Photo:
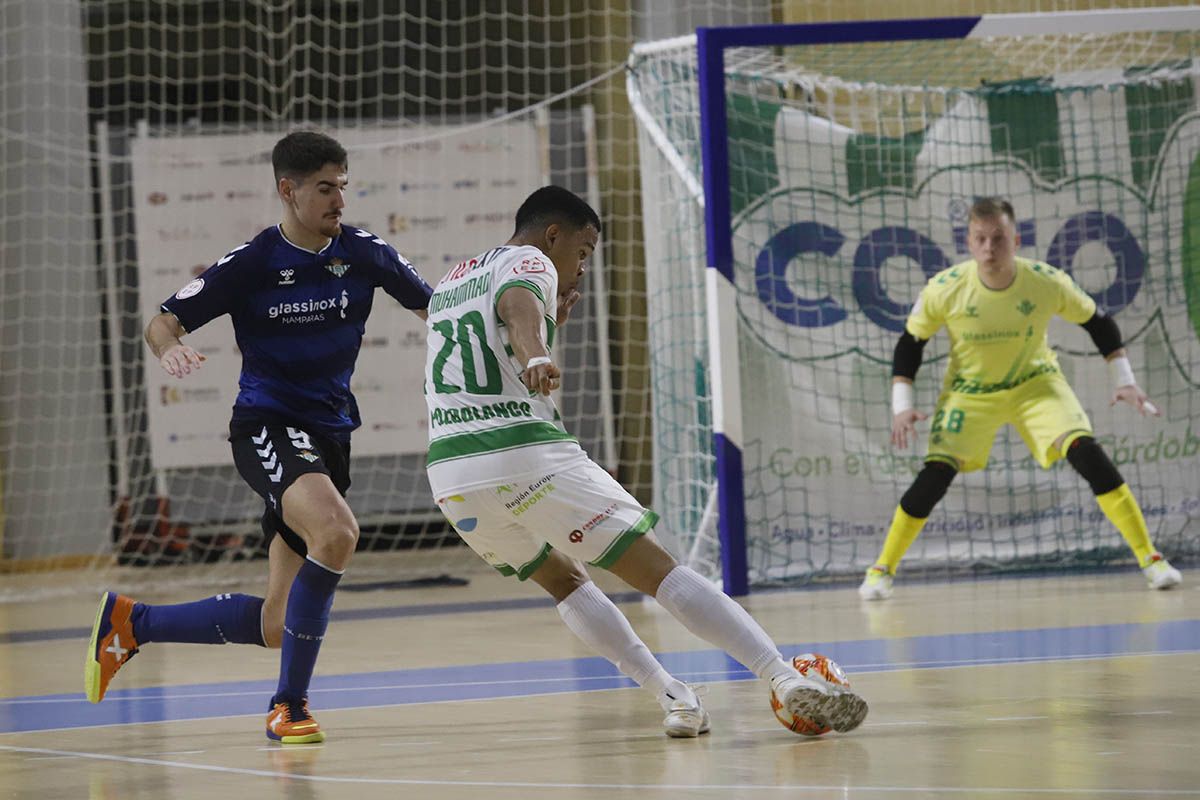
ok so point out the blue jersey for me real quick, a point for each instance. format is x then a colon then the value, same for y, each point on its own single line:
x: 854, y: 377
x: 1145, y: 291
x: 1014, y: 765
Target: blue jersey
x: 299, y: 318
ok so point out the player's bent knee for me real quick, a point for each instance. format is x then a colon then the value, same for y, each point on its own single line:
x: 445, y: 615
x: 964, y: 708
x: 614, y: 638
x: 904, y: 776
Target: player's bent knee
x: 928, y: 489
x: 1089, y: 460
x: 644, y: 564
x: 333, y: 544
x: 272, y: 628
x: 560, y: 575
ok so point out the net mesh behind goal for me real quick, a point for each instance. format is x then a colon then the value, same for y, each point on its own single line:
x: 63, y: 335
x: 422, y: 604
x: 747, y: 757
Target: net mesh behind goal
x: 851, y: 169
x: 134, y: 134
x: 137, y: 138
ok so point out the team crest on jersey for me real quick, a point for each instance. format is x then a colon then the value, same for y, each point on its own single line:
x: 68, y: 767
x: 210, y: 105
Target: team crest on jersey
x: 308, y: 456
x: 530, y: 265
x: 191, y: 290
x: 337, y: 267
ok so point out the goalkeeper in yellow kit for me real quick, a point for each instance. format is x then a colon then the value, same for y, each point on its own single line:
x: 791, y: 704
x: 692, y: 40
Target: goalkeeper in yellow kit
x: 996, y: 308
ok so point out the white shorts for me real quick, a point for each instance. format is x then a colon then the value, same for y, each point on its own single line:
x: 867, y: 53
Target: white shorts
x: 583, y: 513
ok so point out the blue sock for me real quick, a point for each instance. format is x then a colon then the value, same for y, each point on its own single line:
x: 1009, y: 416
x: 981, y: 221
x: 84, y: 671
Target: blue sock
x: 226, y: 618
x: 304, y: 625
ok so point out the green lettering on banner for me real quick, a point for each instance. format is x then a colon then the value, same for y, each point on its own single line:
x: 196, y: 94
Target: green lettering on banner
x: 792, y: 468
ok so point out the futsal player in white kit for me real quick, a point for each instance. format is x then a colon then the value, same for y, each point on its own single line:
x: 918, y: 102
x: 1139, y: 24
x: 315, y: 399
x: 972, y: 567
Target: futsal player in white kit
x: 522, y: 493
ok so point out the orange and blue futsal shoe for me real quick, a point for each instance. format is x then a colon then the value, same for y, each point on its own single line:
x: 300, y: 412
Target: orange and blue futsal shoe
x: 112, y: 644
x: 290, y: 723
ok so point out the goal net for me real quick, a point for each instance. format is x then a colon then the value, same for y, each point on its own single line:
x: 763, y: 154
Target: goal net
x: 848, y: 157
x: 137, y: 153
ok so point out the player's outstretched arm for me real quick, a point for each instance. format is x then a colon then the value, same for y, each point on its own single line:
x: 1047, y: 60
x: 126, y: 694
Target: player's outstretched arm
x: 906, y: 360
x: 1107, y: 338
x: 1125, y: 388
x: 163, y: 334
x: 522, y: 315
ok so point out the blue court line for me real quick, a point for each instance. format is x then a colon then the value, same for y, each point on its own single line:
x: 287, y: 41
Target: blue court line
x: 348, y: 615
x: 516, y: 604
x: 519, y: 679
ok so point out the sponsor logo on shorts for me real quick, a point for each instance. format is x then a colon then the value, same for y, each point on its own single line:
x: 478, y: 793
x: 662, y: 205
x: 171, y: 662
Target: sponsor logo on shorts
x: 576, y: 536
x: 529, y: 497
x: 596, y: 520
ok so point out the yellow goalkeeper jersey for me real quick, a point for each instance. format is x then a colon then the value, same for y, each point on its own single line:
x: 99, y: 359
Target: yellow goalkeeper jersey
x: 997, y: 337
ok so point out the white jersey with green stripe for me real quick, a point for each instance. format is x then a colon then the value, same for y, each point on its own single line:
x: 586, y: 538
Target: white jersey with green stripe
x: 485, y: 427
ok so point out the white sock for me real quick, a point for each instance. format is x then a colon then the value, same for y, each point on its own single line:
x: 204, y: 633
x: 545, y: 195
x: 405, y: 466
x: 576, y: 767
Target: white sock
x: 715, y: 617
x: 594, y: 618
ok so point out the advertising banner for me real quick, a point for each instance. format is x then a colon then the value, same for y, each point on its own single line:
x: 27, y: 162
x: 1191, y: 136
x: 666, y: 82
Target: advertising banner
x: 436, y: 195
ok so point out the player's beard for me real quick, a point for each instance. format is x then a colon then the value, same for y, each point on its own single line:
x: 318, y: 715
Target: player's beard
x: 331, y: 226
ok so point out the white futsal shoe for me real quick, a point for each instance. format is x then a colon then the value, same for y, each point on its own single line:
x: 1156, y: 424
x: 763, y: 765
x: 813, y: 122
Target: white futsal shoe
x: 825, y: 703
x: 1159, y: 573
x: 686, y: 717
x: 877, y: 584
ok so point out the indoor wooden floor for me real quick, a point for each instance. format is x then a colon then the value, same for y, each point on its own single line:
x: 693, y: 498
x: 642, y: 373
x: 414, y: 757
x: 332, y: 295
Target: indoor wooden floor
x: 1059, y: 686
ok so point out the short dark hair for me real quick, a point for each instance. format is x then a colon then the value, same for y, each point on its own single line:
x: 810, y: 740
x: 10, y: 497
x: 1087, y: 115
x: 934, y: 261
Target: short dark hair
x: 554, y: 204
x: 301, y: 153
x: 990, y: 208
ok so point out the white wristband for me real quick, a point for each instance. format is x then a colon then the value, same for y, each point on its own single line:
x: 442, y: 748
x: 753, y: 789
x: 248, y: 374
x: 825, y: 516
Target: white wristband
x: 1121, y: 372
x: 538, y: 361
x: 902, y: 397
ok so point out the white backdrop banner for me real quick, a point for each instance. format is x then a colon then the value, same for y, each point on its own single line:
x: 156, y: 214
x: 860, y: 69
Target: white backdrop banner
x: 438, y: 199
x: 825, y: 284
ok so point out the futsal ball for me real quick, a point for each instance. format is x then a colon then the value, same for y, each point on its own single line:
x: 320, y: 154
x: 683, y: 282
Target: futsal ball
x: 817, y: 666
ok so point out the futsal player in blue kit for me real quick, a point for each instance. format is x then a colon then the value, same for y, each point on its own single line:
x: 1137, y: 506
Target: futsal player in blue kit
x: 299, y: 295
